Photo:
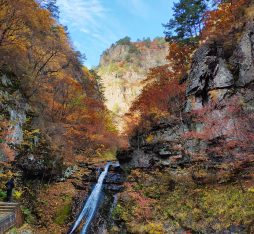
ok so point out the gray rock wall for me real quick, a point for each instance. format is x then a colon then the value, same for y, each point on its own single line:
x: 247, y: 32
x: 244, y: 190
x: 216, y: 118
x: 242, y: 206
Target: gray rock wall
x: 213, y: 78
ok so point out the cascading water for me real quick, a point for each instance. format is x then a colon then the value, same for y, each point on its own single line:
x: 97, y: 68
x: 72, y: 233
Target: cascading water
x: 89, y: 209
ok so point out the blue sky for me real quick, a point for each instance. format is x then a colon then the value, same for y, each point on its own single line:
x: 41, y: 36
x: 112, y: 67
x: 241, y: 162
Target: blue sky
x: 95, y: 24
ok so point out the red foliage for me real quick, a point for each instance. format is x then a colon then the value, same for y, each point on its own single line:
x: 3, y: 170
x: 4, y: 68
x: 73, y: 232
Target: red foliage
x: 179, y: 58
x: 227, y: 128
x: 221, y: 21
x: 144, y: 209
x: 163, y: 95
x: 5, y: 139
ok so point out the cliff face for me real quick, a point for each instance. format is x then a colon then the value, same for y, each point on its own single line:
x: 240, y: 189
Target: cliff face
x: 14, y: 105
x: 195, y: 174
x: 21, y: 139
x: 217, y: 75
x: 213, y: 76
x: 123, y: 67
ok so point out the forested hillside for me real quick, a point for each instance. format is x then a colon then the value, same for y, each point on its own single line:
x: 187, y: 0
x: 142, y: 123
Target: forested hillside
x: 52, y: 107
x: 191, y: 149
x: 62, y: 100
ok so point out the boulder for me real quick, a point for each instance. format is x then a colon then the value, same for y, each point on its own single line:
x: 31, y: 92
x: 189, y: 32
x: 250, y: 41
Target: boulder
x: 113, y: 178
x: 39, y: 166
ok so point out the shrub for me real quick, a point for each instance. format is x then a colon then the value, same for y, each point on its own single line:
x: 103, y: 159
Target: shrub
x: 27, y: 215
x: 3, y: 195
x: 63, y: 214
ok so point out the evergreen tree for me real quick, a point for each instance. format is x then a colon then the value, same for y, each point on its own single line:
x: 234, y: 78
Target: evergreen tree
x: 186, y: 24
x: 124, y: 41
x: 51, y: 6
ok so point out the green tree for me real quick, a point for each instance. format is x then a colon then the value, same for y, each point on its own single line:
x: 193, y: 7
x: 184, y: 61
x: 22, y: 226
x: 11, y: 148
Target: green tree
x: 186, y: 24
x: 51, y: 6
x: 124, y: 41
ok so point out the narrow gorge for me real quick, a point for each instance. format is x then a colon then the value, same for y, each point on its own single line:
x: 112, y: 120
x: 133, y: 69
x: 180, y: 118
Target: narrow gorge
x: 124, y: 67
x: 155, y: 139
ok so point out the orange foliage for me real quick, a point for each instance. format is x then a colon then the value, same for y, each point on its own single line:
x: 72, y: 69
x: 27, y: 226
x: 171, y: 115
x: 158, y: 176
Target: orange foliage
x: 156, y: 95
x: 179, y: 58
x: 8, y: 153
x: 227, y: 17
x: 163, y: 95
x: 85, y: 118
x: 154, y: 44
x: 68, y: 100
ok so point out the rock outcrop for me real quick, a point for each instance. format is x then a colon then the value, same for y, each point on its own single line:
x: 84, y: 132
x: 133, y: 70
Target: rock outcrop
x: 216, y: 76
x: 12, y: 106
x: 22, y: 141
x: 194, y: 173
x: 213, y: 75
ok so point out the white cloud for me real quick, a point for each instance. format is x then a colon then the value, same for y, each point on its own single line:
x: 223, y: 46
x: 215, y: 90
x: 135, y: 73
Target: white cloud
x: 137, y: 7
x: 86, y: 16
x: 81, y: 11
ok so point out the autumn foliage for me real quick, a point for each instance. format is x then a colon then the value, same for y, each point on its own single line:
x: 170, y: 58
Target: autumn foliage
x: 163, y: 94
x: 66, y: 97
x: 227, y: 129
x: 220, y: 131
x: 227, y: 18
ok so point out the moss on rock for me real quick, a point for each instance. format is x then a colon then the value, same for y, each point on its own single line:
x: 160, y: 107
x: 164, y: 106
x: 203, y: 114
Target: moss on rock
x: 63, y: 213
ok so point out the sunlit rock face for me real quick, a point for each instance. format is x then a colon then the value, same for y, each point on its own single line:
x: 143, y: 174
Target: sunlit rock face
x: 17, y: 120
x: 13, y: 108
x: 123, y: 67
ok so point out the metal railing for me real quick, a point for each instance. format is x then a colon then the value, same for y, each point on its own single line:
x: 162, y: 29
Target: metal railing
x: 7, y: 222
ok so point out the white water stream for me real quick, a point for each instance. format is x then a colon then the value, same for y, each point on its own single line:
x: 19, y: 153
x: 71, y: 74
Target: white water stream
x: 91, y: 204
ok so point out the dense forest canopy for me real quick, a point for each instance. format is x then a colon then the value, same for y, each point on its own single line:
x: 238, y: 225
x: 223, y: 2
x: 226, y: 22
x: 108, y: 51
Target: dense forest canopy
x: 37, y: 53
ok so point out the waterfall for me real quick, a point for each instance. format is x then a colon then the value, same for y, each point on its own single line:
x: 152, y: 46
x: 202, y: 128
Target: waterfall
x: 91, y: 204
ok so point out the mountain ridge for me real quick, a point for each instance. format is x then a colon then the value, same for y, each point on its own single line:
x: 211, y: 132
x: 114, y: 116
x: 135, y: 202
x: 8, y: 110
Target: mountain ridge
x: 122, y: 69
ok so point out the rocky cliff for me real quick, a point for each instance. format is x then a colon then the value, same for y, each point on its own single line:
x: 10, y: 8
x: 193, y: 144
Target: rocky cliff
x: 123, y: 67
x: 216, y: 76
x: 195, y: 174
x: 22, y: 140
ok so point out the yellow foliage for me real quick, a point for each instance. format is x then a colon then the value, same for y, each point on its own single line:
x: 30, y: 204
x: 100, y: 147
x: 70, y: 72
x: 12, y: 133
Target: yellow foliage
x: 149, y: 138
x: 250, y: 12
x: 251, y: 189
x: 4, y: 177
x: 17, y: 194
x: 154, y: 228
x: 213, y: 94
